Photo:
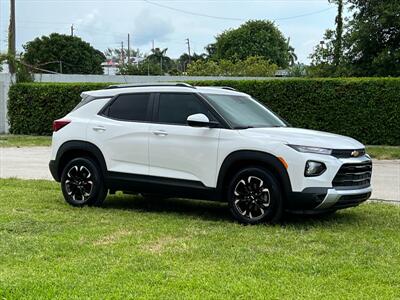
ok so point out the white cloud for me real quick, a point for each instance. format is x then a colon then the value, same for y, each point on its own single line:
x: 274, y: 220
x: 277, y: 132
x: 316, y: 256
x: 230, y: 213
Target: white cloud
x: 149, y: 26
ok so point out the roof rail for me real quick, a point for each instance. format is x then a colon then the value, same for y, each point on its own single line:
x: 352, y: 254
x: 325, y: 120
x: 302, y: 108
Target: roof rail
x: 227, y: 88
x: 131, y: 85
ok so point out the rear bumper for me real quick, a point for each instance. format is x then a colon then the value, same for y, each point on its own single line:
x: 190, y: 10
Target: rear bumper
x: 315, y: 200
x: 53, y: 166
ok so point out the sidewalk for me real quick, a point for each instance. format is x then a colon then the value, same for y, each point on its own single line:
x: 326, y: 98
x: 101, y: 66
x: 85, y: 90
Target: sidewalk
x: 32, y: 163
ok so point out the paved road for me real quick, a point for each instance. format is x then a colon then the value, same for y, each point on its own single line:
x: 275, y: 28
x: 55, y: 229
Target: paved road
x: 32, y: 163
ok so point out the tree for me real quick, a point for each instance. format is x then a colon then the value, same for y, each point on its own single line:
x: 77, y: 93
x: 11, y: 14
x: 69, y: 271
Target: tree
x: 254, y: 38
x: 322, y: 59
x: 183, y: 60
x: 338, y: 42
x: 63, y: 54
x: 291, y: 55
x: 368, y: 45
x: 160, y: 57
x: 327, y: 58
x: 298, y: 70
x: 3, y: 58
x: 142, y: 68
x: 374, y: 38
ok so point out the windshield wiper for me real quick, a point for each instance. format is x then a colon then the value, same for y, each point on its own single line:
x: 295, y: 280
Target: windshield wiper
x: 243, y: 127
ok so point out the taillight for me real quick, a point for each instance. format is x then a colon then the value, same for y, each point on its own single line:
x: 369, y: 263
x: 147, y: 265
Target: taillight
x: 58, y: 124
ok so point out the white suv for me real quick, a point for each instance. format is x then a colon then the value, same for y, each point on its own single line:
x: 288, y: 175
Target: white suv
x: 215, y: 143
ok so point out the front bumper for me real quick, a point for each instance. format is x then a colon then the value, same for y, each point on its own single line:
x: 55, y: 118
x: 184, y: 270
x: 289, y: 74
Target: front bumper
x: 315, y: 200
x: 342, y: 198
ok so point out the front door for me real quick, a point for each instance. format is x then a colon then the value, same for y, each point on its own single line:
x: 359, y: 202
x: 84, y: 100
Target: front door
x: 178, y: 150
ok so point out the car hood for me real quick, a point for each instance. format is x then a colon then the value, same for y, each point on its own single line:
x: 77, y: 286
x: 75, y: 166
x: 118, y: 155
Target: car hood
x: 304, y: 137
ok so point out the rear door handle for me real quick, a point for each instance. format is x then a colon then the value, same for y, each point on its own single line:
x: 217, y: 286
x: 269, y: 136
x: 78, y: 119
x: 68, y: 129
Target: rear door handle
x: 99, y: 128
x: 160, y: 133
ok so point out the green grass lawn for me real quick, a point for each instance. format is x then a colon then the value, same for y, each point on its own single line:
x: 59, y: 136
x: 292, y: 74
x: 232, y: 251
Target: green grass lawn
x: 11, y: 140
x: 384, y: 152
x: 176, y: 249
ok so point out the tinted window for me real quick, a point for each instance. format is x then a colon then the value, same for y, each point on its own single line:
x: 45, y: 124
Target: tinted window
x: 130, y: 107
x: 243, y: 111
x: 175, y: 108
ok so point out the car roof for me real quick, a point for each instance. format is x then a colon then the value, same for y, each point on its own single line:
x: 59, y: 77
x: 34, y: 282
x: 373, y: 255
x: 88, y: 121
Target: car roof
x: 159, y: 88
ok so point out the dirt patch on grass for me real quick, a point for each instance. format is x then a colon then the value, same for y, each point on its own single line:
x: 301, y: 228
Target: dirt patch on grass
x: 166, y: 243
x: 112, y: 238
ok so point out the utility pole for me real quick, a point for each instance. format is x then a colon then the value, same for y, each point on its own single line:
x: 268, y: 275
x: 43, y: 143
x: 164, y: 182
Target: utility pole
x: 60, y: 62
x: 129, y: 48
x: 72, y: 30
x: 188, y: 44
x: 11, y: 38
x: 152, y: 45
x: 122, y: 53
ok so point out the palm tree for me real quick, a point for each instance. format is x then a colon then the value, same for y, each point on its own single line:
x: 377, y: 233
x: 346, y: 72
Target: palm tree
x: 159, y: 56
x: 291, y: 54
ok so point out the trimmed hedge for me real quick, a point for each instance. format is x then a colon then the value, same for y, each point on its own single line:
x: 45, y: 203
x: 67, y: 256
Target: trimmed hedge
x: 32, y: 107
x: 367, y: 109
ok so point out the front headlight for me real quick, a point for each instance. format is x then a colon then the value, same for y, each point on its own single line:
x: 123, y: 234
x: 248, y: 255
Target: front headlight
x: 310, y: 149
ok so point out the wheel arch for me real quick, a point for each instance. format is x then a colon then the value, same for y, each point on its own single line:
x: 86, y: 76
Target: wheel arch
x: 242, y: 158
x: 73, y: 149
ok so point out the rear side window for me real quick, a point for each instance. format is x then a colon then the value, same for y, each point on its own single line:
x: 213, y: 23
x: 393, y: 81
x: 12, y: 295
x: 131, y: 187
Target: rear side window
x: 175, y: 108
x: 133, y: 107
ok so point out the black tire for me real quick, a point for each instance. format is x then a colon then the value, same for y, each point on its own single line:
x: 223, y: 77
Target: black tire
x: 82, y: 182
x: 254, y: 196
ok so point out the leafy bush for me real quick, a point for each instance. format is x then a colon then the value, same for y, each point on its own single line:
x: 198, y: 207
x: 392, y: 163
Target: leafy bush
x: 33, y: 107
x: 367, y: 109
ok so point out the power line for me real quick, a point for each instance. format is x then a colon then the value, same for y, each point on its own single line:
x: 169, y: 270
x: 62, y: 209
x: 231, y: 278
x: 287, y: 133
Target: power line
x: 193, y: 13
x: 232, y: 18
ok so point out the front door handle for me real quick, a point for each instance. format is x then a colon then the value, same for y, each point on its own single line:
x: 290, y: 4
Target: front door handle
x: 160, y: 133
x: 99, y: 128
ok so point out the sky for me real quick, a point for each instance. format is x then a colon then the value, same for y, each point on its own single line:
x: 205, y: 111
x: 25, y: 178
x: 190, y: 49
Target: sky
x: 105, y: 23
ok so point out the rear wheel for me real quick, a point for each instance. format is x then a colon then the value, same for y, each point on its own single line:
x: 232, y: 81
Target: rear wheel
x: 82, y: 182
x: 254, y: 196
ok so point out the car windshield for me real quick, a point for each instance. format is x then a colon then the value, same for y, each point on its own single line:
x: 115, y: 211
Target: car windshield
x: 243, y: 112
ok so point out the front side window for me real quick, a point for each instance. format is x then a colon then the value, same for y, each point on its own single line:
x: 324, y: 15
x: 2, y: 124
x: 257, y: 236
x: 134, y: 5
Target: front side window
x: 132, y: 107
x: 243, y: 111
x: 176, y: 108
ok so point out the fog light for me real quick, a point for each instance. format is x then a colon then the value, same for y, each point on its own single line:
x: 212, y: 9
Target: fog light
x: 314, y: 168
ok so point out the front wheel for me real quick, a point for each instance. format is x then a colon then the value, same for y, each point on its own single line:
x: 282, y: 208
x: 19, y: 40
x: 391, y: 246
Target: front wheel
x: 82, y: 183
x: 254, y: 196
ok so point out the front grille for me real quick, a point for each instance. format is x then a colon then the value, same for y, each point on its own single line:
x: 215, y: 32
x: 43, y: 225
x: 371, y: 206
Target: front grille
x: 356, y: 175
x: 339, y: 153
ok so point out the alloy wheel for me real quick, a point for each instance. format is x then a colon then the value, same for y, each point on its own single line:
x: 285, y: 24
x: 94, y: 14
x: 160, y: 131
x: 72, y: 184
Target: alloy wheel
x: 79, y: 183
x: 252, y: 198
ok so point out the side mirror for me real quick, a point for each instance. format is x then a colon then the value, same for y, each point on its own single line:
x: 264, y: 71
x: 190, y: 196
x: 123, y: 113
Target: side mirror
x: 201, y: 120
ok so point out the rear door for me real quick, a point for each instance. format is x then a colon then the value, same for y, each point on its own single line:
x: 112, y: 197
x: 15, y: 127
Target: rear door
x: 121, y: 131
x: 178, y: 150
